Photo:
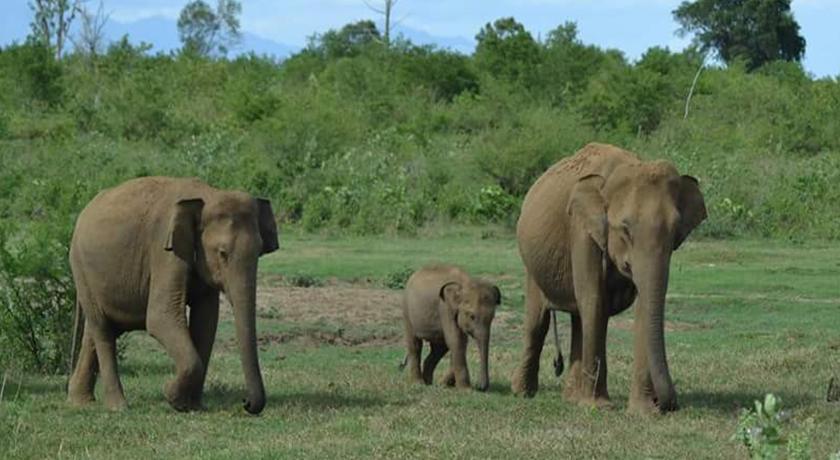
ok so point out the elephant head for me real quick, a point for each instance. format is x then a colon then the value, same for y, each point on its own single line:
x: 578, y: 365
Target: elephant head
x: 637, y: 216
x: 222, y: 236
x: 474, y: 304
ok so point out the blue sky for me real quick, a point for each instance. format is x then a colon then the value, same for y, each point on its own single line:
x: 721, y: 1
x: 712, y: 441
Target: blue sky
x: 629, y: 25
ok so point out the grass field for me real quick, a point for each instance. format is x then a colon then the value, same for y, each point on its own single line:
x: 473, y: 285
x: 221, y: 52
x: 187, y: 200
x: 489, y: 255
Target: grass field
x: 743, y: 319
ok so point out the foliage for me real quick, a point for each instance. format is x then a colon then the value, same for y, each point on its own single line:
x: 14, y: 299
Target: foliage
x: 763, y: 431
x: 204, y: 31
x: 37, y: 300
x: 755, y: 31
x: 397, y: 279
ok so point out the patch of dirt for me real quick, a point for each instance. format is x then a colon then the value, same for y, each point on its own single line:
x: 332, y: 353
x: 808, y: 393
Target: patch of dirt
x: 337, y: 313
x: 670, y: 326
x: 333, y: 304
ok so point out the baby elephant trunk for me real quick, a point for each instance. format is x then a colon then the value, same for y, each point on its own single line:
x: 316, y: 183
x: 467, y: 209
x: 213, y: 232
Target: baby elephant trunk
x: 483, y: 339
x: 243, y: 297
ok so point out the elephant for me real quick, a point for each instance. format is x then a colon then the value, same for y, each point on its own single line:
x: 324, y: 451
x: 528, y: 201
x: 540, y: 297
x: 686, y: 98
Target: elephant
x: 442, y: 305
x: 595, y: 232
x: 144, y: 250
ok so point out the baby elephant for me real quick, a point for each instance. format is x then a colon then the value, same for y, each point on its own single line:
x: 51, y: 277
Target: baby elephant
x: 442, y: 305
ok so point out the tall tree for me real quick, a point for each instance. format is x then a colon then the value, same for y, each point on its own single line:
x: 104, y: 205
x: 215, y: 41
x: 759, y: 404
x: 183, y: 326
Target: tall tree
x: 205, y: 31
x: 90, y: 40
x: 52, y: 21
x: 505, y: 49
x: 755, y: 31
x: 386, y: 10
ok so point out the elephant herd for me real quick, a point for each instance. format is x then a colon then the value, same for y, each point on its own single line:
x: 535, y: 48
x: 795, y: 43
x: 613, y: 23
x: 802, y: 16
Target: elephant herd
x: 595, y: 232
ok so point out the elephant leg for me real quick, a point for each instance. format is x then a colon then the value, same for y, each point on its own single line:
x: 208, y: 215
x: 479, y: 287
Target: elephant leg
x: 571, y: 389
x: 173, y: 334
x: 204, y: 318
x: 414, y: 348
x: 641, y: 388
x: 83, y: 380
x: 456, y: 341
x: 525, y: 380
x: 105, y: 342
x: 589, y: 286
x: 432, y: 360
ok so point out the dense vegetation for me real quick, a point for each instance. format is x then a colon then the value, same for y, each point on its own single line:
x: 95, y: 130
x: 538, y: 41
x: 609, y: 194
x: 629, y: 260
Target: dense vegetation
x: 353, y: 136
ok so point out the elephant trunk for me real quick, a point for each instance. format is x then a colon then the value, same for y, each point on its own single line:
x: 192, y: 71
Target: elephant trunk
x: 652, y: 283
x: 242, y: 294
x: 483, y: 340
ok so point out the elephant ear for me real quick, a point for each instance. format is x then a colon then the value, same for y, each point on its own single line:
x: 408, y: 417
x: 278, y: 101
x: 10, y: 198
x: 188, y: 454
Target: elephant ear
x: 451, y: 293
x: 692, y: 209
x: 268, y: 228
x: 587, y: 206
x: 498, y: 295
x: 183, y: 227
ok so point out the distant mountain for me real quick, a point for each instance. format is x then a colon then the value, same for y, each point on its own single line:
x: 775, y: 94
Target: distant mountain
x: 419, y: 37
x: 162, y: 33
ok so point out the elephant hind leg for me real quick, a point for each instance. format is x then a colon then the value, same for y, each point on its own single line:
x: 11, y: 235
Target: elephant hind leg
x: 82, y: 382
x: 525, y: 380
x: 105, y: 341
x: 438, y: 350
x: 414, y: 348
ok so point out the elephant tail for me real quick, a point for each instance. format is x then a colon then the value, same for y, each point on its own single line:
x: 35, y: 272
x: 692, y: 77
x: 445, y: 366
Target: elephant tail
x: 78, y: 332
x: 403, y: 363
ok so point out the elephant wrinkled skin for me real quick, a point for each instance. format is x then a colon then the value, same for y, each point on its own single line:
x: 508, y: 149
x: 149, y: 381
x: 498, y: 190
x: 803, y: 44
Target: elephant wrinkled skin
x: 597, y: 229
x: 144, y: 250
x: 443, y: 305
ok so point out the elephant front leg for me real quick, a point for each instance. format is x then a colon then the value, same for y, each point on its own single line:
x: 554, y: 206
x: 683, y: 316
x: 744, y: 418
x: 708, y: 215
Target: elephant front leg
x: 572, y: 385
x: 170, y: 329
x: 589, y: 287
x: 456, y: 341
x: 525, y: 379
x: 642, y: 395
x: 204, y: 319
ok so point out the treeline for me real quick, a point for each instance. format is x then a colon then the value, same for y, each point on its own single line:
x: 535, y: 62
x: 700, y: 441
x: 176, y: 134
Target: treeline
x: 352, y: 135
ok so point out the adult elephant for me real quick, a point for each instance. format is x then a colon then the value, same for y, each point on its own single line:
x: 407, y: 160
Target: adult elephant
x: 141, y: 252
x: 596, y: 229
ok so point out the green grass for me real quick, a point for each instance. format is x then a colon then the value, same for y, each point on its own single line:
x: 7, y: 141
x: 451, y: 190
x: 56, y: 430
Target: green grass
x: 745, y: 318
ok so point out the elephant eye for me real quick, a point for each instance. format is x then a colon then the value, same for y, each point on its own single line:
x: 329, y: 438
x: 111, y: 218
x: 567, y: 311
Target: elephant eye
x: 223, y: 254
x: 472, y: 316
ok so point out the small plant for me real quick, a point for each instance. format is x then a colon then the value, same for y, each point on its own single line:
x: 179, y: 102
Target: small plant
x: 397, y: 279
x: 763, y: 431
x: 305, y: 281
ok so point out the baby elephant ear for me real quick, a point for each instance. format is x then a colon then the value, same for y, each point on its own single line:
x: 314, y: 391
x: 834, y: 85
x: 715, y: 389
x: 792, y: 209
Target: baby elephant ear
x: 451, y: 293
x: 498, y: 294
x: 268, y: 228
x: 588, y: 207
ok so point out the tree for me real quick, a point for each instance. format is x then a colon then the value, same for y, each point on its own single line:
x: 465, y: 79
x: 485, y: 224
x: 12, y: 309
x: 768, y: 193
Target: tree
x: 52, y: 21
x: 90, y: 39
x: 755, y: 31
x: 386, y: 11
x: 349, y: 41
x: 505, y: 49
x: 204, y: 31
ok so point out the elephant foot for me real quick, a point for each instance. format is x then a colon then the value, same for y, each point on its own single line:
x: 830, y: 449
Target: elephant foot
x: 448, y: 380
x: 180, y: 400
x: 523, y: 384
x: 80, y: 399
x: 598, y: 402
x: 642, y: 406
x: 115, y: 403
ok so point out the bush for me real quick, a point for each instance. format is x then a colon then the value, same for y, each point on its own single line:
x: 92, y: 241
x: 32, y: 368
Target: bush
x: 37, y: 301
